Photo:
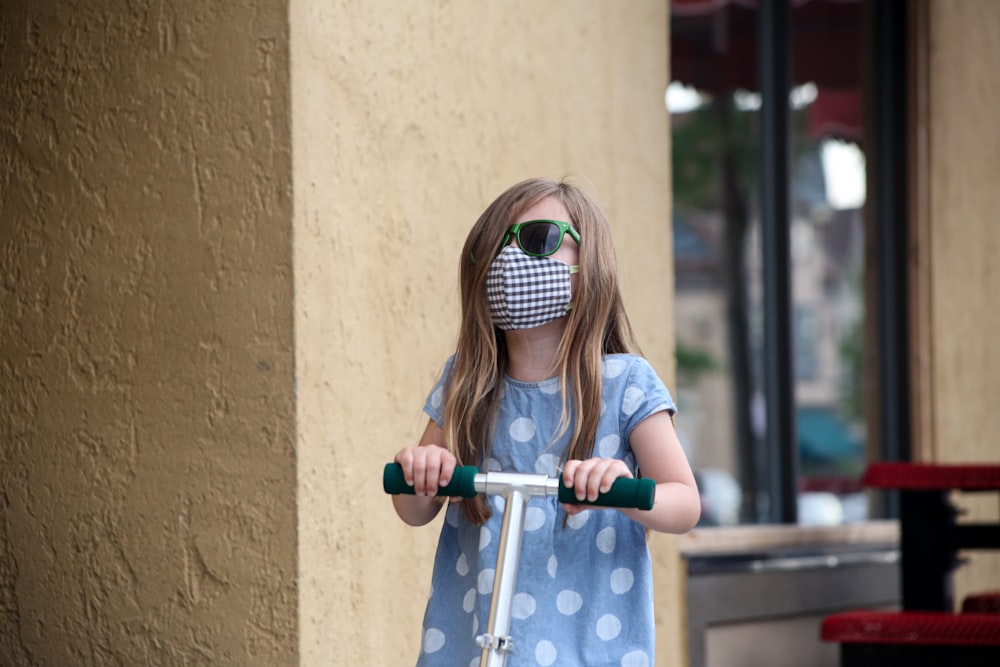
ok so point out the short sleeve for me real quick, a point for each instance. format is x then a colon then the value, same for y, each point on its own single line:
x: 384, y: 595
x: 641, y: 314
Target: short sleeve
x: 434, y: 406
x: 644, y: 395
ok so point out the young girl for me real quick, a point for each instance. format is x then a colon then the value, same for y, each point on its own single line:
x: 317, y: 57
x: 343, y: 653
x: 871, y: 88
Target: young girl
x: 544, y: 380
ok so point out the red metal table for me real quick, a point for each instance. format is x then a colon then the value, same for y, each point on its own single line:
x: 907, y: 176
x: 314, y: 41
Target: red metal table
x: 926, y: 633
x: 930, y: 536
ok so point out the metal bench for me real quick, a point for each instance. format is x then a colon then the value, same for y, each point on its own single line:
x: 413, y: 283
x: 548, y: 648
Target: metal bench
x: 914, y: 638
x: 927, y: 632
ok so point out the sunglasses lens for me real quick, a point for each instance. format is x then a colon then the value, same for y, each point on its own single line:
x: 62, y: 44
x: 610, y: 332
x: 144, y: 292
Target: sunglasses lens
x: 539, y: 238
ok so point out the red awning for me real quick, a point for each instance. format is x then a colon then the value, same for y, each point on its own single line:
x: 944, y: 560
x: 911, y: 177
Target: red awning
x: 713, y: 47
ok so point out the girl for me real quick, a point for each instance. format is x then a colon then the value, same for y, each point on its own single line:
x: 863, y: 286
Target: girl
x: 543, y: 379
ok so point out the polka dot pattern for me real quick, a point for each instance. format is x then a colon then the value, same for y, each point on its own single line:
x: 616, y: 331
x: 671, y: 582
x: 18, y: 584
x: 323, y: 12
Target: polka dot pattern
x: 606, y: 540
x: 569, y: 602
x: 636, y: 659
x: 607, y: 446
x: 547, y: 464
x: 437, y: 398
x: 608, y: 627
x: 545, y: 653
x: 632, y: 400
x: 534, y: 518
x: 469, y: 601
x: 584, y: 582
x: 522, y: 429
x: 434, y: 640
x: 622, y: 580
x: 550, y: 387
x: 485, y: 581
x: 523, y: 606
x: 614, y: 367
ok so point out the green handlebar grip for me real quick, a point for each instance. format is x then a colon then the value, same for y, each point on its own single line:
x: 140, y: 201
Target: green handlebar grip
x: 463, y: 481
x: 625, y: 492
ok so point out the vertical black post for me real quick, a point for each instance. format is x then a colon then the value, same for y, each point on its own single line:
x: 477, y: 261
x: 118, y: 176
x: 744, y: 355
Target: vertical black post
x: 928, y: 549
x: 774, y: 53
x: 890, y: 116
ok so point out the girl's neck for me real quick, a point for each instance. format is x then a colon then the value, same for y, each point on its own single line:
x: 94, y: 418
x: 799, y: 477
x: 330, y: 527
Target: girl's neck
x: 531, y: 353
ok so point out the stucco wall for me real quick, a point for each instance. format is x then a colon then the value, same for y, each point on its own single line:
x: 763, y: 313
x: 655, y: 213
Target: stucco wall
x: 147, y: 481
x: 408, y: 118
x: 962, y: 249
x: 148, y: 491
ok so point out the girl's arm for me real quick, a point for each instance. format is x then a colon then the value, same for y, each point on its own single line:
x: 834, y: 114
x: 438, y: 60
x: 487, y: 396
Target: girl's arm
x: 658, y: 453
x: 426, y: 467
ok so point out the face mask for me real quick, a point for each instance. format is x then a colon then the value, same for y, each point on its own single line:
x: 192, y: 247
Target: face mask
x: 526, y: 292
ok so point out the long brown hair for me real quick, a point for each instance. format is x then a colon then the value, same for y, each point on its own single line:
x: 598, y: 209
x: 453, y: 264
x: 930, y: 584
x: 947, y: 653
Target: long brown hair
x: 596, y: 325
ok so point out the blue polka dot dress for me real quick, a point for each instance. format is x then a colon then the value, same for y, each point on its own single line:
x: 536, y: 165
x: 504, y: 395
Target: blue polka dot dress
x: 584, y: 583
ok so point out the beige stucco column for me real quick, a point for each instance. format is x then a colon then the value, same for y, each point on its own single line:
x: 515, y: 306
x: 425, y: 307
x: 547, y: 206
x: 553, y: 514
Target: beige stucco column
x: 228, y: 256
x: 407, y: 120
x: 147, y: 450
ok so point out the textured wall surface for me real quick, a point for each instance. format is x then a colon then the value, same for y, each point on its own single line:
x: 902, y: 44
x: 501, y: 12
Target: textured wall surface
x: 147, y: 478
x: 964, y: 62
x: 408, y: 119
x: 148, y: 490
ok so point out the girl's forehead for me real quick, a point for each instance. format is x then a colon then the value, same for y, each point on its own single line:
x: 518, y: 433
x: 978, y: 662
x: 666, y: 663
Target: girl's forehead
x: 549, y: 208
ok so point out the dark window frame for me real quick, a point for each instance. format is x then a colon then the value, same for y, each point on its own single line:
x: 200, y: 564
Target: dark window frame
x: 887, y: 212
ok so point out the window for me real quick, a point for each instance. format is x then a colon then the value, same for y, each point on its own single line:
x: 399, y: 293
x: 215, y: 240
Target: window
x: 771, y: 222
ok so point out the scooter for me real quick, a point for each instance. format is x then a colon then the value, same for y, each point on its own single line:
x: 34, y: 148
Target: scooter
x: 517, y: 489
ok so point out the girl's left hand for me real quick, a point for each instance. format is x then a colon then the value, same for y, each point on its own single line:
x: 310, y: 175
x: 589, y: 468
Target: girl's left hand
x: 590, y: 478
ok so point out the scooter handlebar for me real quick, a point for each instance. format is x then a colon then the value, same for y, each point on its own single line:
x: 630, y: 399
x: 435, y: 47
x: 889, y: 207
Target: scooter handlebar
x: 624, y: 492
x: 463, y: 481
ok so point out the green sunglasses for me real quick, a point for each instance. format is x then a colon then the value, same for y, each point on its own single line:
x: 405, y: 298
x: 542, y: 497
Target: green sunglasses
x: 540, y: 238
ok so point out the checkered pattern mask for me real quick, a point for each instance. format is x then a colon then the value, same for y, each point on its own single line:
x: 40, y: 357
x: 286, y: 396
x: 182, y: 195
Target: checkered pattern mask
x: 526, y: 291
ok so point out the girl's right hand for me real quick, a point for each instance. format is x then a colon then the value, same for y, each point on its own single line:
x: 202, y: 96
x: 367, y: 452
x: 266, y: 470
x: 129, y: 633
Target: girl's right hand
x: 426, y: 467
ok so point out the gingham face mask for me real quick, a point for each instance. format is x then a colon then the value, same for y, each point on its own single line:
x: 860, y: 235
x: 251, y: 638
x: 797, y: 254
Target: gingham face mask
x: 526, y: 292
